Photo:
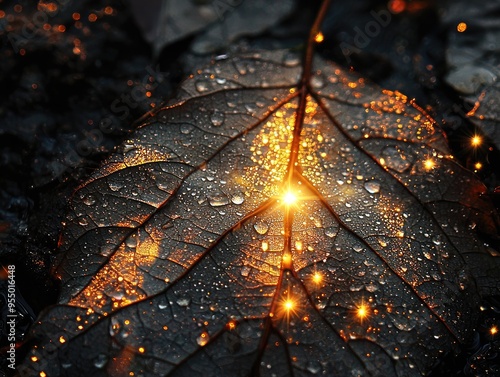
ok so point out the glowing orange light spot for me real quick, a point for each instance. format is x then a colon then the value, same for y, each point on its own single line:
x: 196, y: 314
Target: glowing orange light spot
x: 2, y: 14
x: 76, y: 16
x: 429, y: 164
x: 478, y: 166
x: 231, y: 325
x: 319, y: 37
x: 397, y: 6
x: 362, y: 311
x: 265, y: 246
x: 34, y: 358
x: 92, y: 17
x: 141, y: 349
x: 62, y: 340
x: 43, y: 374
x: 493, y: 330
x: 18, y: 8
x: 127, y: 322
x: 108, y: 10
x: 476, y: 141
x: 289, y: 198
x: 61, y: 28
x: 287, y: 260
x: 317, y: 277
x: 461, y: 27
x: 288, y: 304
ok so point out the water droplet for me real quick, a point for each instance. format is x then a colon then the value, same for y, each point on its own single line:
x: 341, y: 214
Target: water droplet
x: 217, y: 118
x: 162, y: 305
x: 313, y: 367
x: 183, y: 301
x: 131, y: 241
x: 330, y: 232
x: 238, y: 198
x: 245, y: 271
x: 115, y: 186
x: 436, y: 240
x: 357, y: 248
x: 114, y: 327
x: 83, y: 221
x: 217, y: 199
x: 186, y: 128
x: 203, y: 338
x: 261, y: 227
x: 291, y: 59
x: 202, y: 86
x: 89, y: 199
x: 373, y: 187
x: 397, y: 159
x: 265, y: 246
x: 220, y: 80
x: 100, y: 361
x: 318, y: 81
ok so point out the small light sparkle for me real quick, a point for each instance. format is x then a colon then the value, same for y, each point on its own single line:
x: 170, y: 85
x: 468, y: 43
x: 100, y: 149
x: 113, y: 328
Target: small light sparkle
x: 319, y: 37
x: 317, y: 277
x: 476, y: 141
x: 289, y: 198
x: 493, y: 330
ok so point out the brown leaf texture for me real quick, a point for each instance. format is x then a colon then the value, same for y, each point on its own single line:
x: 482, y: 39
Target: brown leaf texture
x: 270, y: 223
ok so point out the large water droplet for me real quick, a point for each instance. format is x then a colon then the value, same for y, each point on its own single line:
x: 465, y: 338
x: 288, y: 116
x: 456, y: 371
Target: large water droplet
x: 217, y: 199
x: 397, y: 159
x: 183, y: 301
x: 217, y: 118
x: 313, y: 367
x: 373, y: 187
x: 261, y: 227
x: 318, y: 81
x: 131, y: 241
x: 89, y: 199
x: 203, y: 338
x: 291, y: 59
x: 114, y: 327
x: 202, y: 85
x: 330, y: 232
x: 238, y: 198
x: 186, y: 128
x: 100, y: 361
x: 115, y: 186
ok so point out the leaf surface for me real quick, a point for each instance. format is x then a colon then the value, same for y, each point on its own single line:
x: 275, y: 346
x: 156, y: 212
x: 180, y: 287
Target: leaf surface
x: 268, y: 222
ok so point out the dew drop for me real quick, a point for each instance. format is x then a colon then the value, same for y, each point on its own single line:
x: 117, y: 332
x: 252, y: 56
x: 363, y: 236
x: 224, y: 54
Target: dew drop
x: 89, y: 199
x: 397, y: 159
x: 217, y: 118
x: 436, y: 240
x: 357, y: 248
x: 83, y: 221
x: 114, y: 327
x: 217, y: 199
x: 330, y: 232
x: 186, y: 128
x: 238, y: 198
x: 115, y: 186
x: 318, y: 81
x: 313, y: 367
x: 100, y: 361
x: 203, y: 338
x: 291, y: 59
x: 261, y: 227
x: 131, y: 241
x: 220, y: 80
x: 183, y: 301
x: 202, y: 86
x: 245, y: 271
x: 162, y: 305
x: 373, y: 187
